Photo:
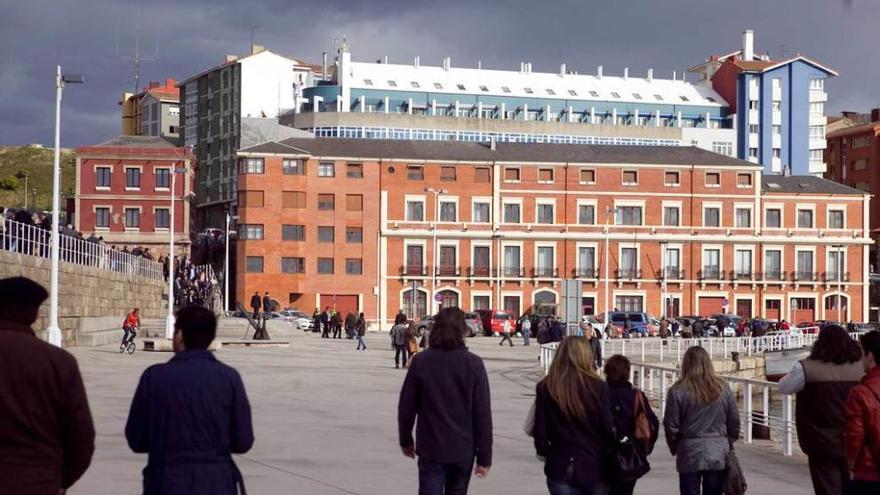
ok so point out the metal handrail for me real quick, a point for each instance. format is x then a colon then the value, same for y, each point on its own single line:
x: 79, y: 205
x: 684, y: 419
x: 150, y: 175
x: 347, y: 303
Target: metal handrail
x: 36, y: 241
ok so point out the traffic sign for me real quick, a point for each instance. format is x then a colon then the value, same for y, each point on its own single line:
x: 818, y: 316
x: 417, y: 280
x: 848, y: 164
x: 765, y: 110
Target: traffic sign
x: 437, y: 297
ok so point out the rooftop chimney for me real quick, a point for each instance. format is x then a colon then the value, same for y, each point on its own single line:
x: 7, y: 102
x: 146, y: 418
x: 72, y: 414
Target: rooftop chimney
x: 626, y: 72
x: 748, y: 49
x: 416, y: 62
x: 562, y: 70
x: 447, y: 63
x: 492, y: 143
x: 479, y: 64
x: 255, y: 49
x: 385, y: 60
x: 650, y: 74
x: 324, y: 65
x: 230, y: 58
x: 599, y: 72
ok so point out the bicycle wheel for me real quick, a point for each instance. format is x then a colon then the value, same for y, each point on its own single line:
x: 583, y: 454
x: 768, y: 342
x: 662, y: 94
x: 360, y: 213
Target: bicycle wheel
x: 131, y: 347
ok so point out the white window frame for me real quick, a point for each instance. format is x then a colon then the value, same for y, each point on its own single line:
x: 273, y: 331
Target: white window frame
x: 504, y: 175
x: 630, y: 184
x: 552, y: 172
x: 577, y: 256
x: 140, y: 210
x: 712, y: 247
x: 805, y: 206
x: 415, y: 198
x: 668, y: 184
x: 545, y: 202
x: 774, y: 247
x: 164, y: 189
x: 812, y: 250
x: 843, y: 253
x: 95, y: 175
x: 744, y: 206
x: 480, y: 293
x: 109, y: 217
x: 720, y: 207
x: 140, y: 169
x: 475, y: 200
x: 669, y: 204
x: 752, y: 179
x: 834, y: 207
x: 162, y: 229
x: 484, y: 244
x: 593, y: 182
x: 448, y: 199
x: 551, y: 245
x: 629, y: 202
x: 426, y: 260
x: 774, y: 206
x: 516, y: 201
x: 522, y: 253
x: 587, y: 202
x: 672, y: 246
x: 745, y: 247
x: 629, y: 245
x: 706, y: 178
x: 449, y: 243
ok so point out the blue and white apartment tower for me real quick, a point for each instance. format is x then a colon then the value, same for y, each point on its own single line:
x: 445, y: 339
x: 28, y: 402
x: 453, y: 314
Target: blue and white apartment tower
x: 417, y: 101
x: 778, y: 105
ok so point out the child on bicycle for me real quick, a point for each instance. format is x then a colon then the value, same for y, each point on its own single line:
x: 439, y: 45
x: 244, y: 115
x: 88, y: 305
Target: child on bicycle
x: 132, y: 321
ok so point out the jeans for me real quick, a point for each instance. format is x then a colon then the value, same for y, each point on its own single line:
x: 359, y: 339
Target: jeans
x: 558, y: 487
x: 126, y: 335
x: 526, y: 334
x: 866, y: 487
x: 830, y: 476
x: 361, y: 343
x: 437, y: 478
x: 400, y: 350
x: 712, y: 482
x: 506, y: 336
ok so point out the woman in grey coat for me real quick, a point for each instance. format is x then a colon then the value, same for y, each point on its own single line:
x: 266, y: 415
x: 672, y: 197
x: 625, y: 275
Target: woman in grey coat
x: 701, y: 424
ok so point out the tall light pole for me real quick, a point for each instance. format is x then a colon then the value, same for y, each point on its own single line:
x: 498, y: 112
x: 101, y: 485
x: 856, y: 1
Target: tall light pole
x: 610, y: 211
x: 663, y: 274
x: 54, y: 331
x: 169, y: 323
x: 22, y: 175
x: 437, y: 193
x: 839, y: 269
x: 229, y: 217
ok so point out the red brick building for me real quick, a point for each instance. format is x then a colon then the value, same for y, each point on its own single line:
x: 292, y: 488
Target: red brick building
x: 123, y: 192
x: 359, y: 223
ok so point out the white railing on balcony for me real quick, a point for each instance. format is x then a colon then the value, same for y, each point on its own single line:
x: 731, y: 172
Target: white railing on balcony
x: 35, y: 241
x: 655, y: 350
x: 775, y: 414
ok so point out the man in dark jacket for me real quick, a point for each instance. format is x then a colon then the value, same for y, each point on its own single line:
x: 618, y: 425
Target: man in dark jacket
x: 350, y: 322
x: 447, y: 388
x: 256, y: 303
x: 267, y: 304
x: 190, y: 414
x: 557, y: 333
x: 46, y: 433
x: 325, y: 323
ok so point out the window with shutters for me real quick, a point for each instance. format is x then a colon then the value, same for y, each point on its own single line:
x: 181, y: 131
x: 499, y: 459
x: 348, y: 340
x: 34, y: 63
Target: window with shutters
x: 588, y: 176
x: 354, y: 170
x: 447, y: 173
x: 293, y: 167
x: 293, y: 233
x: 671, y: 178
x: 713, y: 179
x: 326, y: 234
x: 545, y: 175
x: 326, y: 202
x: 354, y: 202
x: 744, y: 180
x: 354, y: 266
x: 354, y: 235
x: 630, y: 178
x: 415, y: 172
x: 481, y: 174
x: 293, y: 199
x: 250, y: 199
x: 511, y: 174
x: 293, y: 265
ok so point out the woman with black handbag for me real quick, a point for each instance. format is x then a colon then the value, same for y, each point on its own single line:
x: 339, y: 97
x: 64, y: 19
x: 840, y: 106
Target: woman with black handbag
x: 636, y: 424
x: 573, y: 428
x: 701, y: 422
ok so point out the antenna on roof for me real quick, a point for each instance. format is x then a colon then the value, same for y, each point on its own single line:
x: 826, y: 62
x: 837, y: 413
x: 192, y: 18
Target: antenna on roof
x: 136, y: 57
x: 253, y: 35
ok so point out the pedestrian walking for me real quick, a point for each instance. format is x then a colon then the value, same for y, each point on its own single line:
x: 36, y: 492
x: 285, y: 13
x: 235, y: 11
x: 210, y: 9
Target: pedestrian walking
x: 556, y: 332
x: 595, y: 347
x: 447, y: 390
x: 256, y: 303
x: 822, y: 383
x: 398, y: 342
x: 316, y: 321
x: 627, y: 402
x: 350, y: 321
x: 573, y: 428
x: 337, y: 325
x: 664, y: 328
x: 190, y: 414
x: 526, y: 329
x: 325, y: 323
x: 361, y: 329
x: 46, y: 433
x: 862, y: 431
x: 412, y: 341
x: 505, y: 333
x: 267, y: 304
x: 701, y: 423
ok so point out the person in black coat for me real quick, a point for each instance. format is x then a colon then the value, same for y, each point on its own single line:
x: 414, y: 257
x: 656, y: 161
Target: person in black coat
x: 623, y: 401
x: 350, y: 322
x: 325, y: 323
x: 574, y: 429
x: 267, y: 304
x: 256, y: 303
x: 190, y: 415
x: 447, y: 389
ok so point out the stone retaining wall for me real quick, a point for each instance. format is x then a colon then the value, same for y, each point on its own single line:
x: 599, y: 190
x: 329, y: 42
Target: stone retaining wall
x: 86, y: 292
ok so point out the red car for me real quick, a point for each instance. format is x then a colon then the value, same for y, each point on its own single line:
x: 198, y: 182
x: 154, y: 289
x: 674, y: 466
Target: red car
x: 493, y: 320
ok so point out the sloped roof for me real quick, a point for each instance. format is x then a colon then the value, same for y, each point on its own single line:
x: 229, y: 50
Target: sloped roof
x: 854, y: 129
x: 805, y: 184
x: 504, y: 152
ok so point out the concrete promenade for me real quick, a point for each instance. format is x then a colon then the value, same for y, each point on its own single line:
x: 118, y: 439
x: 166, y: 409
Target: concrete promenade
x: 325, y: 421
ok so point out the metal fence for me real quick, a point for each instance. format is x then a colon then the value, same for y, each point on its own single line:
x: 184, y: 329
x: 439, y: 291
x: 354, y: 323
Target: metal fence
x: 36, y: 241
x: 671, y: 350
x: 776, y: 413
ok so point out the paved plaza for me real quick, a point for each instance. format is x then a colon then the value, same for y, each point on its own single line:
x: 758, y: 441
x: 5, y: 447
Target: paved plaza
x: 325, y: 419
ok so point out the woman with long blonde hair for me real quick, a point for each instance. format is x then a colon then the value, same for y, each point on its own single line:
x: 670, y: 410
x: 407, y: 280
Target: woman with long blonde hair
x: 573, y: 426
x: 701, y: 424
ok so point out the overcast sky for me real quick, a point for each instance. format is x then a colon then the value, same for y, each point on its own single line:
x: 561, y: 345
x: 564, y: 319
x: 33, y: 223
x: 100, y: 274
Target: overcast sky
x: 81, y: 35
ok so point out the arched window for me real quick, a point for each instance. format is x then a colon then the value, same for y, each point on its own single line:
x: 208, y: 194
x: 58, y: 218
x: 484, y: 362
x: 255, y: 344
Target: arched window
x: 448, y: 299
x: 415, y: 307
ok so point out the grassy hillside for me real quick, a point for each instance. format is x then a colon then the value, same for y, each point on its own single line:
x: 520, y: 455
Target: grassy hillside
x: 37, y: 164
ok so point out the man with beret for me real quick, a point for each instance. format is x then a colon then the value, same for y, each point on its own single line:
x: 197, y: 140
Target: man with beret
x: 46, y: 433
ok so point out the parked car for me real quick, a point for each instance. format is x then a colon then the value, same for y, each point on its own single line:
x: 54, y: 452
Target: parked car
x: 594, y: 323
x: 639, y: 324
x: 733, y: 322
x: 493, y: 320
x: 301, y: 320
x: 859, y: 327
x: 472, y: 320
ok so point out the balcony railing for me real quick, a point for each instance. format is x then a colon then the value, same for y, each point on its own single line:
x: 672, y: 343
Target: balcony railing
x: 447, y: 271
x: 414, y: 270
x: 803, y: 276
x: 628, y: 273
x: 836, y: 276
x: 741, y: 275
x: 711, y: 273
x: 513, y: 271
x: 585, y: 273
x: 480, y: 272
x: 671, y: 273
x: 545, y: 272
x: 774, y: 276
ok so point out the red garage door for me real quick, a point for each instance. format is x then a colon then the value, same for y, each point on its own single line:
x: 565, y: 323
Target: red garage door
x: 711, y: 305
x: 343, y: 303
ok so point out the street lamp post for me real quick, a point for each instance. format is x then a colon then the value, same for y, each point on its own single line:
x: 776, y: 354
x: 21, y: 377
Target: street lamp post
x: 22, y: 175
x: 839, y: 269
x: 610, y: 211
x: 169, y: 324
x: 435, y: 257
x: 665, y: 310
x: 54, y: 330
x: 229, y: 217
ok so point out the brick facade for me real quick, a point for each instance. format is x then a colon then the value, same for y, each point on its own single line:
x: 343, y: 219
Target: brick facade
x: 563, y: 210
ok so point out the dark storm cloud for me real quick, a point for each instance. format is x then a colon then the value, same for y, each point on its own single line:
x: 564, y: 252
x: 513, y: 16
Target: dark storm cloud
x: 667, y: 35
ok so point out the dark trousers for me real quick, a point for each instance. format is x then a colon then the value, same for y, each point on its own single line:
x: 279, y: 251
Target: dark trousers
x: 444, y: 478
x: 325, y: 330
x: 565, y: 488
x: 126, y: 335
x: 337, y: 332
x: 830, y: 476
x: 624, y: 488
x: 400, y: 350
x: 711, y: 482
x: 505, y: 336
x: 860, y: 487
